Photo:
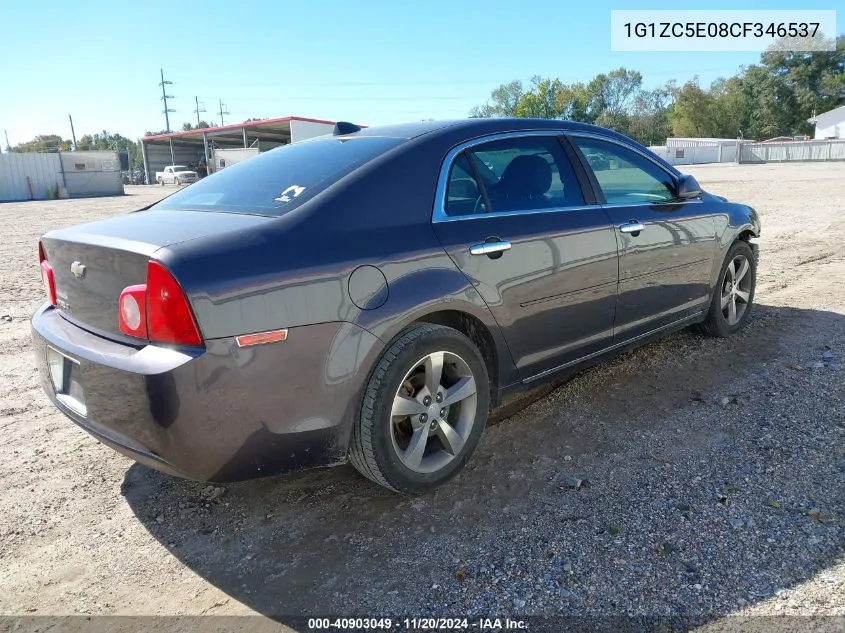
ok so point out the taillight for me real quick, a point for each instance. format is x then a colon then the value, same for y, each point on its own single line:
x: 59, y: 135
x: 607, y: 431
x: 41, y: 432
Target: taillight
x: 169, y: 317
x: 47, y: 277
x: 158, y: 310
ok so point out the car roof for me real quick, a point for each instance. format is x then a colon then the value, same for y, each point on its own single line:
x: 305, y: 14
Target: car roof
x: 482, y: 125
x: 465, y: 129
x: 406, y: 130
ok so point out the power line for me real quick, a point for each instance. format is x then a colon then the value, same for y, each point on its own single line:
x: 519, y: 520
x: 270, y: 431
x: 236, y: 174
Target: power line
x: 222, y: 106
x: 199, y: 109
x: 165, y: 97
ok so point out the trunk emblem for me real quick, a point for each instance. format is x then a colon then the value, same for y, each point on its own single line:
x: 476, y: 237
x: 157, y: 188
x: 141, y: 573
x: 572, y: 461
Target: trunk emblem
x: 78, y: 269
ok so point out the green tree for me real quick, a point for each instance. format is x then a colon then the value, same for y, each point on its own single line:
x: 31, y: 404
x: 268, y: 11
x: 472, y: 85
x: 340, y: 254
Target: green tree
x: 104, y: 141
x: 573, y: 102
x: 542, y: 100
x: 772, y: 98
x: 731, y: 106
x: 648, y: 122
x: 815, y: 78
x: 776, y: 111
x: 187, y: 127
x: 107, y: 141
x: 611, y: 95
x: 503, y: 102
x: 41, y: 143
x: 692, y: 111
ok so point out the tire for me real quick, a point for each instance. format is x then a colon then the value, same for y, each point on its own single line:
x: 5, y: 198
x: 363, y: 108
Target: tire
x: 719, y: 320
x: 177, y: 182
x: 378, y: 448
x: 160, y: 181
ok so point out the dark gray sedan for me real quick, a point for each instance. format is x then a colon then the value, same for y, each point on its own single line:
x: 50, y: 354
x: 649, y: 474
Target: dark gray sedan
x: 369, y: 295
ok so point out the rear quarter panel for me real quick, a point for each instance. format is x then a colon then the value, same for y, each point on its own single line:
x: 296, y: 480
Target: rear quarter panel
x: 296, y: 270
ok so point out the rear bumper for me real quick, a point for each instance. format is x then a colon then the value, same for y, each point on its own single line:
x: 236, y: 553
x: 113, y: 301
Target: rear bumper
x: 221, y: 413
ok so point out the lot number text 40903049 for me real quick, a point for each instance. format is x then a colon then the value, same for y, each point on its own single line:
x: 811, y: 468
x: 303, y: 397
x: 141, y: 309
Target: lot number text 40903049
x: 416, y: 624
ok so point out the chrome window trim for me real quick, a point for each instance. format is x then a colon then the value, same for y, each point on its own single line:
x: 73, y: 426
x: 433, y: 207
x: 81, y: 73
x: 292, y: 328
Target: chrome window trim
x: 670, y: 203
x: 439, y: 214
x: 504, y: 214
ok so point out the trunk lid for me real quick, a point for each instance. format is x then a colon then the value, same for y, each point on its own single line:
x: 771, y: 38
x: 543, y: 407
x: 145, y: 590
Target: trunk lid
x: 92, y: 263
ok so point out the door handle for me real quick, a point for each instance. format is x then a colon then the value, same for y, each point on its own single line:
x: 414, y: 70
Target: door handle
x: 489, y: 248
x: 632, y: 227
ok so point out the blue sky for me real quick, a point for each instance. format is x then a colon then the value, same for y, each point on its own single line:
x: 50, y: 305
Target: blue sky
x: 368, y: 61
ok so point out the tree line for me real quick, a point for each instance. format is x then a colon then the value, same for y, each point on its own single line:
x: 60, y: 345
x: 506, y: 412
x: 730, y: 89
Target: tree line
x: 104, y: 140
x: 101, y: 141
x: 88, y: 142
x: 774, y: 97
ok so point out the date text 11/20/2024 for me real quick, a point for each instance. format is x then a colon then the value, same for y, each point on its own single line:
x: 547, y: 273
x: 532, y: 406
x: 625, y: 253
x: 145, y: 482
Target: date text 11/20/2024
x: 416, y: 624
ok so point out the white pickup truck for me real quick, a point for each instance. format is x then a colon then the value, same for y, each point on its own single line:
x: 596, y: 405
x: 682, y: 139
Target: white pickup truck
x: 176, y: 174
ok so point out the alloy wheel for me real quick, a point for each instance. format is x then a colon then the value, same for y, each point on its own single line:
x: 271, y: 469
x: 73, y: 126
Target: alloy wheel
x: 736, y: 289
x: 433, y: 412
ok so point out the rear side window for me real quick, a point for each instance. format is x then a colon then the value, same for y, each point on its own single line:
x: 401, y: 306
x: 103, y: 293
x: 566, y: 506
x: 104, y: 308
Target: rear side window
x: 624, y: 176
x: 280, y: 180
x: 463, y: 194
x: 512, y: 175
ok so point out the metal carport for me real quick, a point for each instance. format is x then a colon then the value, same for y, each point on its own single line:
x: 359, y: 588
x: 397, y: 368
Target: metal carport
x: 193, y: 146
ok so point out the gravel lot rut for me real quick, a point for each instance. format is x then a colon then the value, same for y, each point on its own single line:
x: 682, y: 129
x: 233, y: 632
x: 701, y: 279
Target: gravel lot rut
x: 693, y: 476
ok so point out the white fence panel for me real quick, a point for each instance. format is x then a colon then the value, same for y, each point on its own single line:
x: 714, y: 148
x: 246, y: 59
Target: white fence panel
x: 689, y: 153
x: 729, y: 153
x: 792, y: 152
x: 29, y: 176
x: 696, y: 153
x: 705, y: 154
x: 660, y: 150
x: 34, y: 176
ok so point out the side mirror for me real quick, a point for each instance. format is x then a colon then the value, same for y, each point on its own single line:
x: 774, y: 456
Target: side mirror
x: 688, y: 188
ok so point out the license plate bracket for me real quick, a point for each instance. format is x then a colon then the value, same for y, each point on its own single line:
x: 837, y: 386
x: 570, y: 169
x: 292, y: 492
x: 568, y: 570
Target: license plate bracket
x: 64, y: 373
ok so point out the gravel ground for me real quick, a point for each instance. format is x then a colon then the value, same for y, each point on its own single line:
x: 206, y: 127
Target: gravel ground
x: 693, y: 477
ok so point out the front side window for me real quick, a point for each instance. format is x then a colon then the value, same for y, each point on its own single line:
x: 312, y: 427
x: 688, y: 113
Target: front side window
x: 624, y: 176
x: 517, y: 174
x: 280, y: 180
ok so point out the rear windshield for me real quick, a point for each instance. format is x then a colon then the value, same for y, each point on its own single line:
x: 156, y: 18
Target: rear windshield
x: 280, y: 180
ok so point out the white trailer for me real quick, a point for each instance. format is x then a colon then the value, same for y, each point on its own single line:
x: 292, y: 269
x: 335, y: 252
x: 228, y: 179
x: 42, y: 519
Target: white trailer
x: 226, y: 157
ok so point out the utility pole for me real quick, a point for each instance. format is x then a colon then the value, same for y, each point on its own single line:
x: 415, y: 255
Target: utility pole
x: 222, y: 105
x: 165, y: 97
x: 6, y: 133
x: 198, y: 110
x: 72, y: 133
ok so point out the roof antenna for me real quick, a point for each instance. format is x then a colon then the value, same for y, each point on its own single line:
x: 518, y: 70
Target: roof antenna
x: 344, y: 127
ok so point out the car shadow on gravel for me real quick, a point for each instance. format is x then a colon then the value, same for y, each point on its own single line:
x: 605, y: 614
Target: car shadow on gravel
x: 693, y: 476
